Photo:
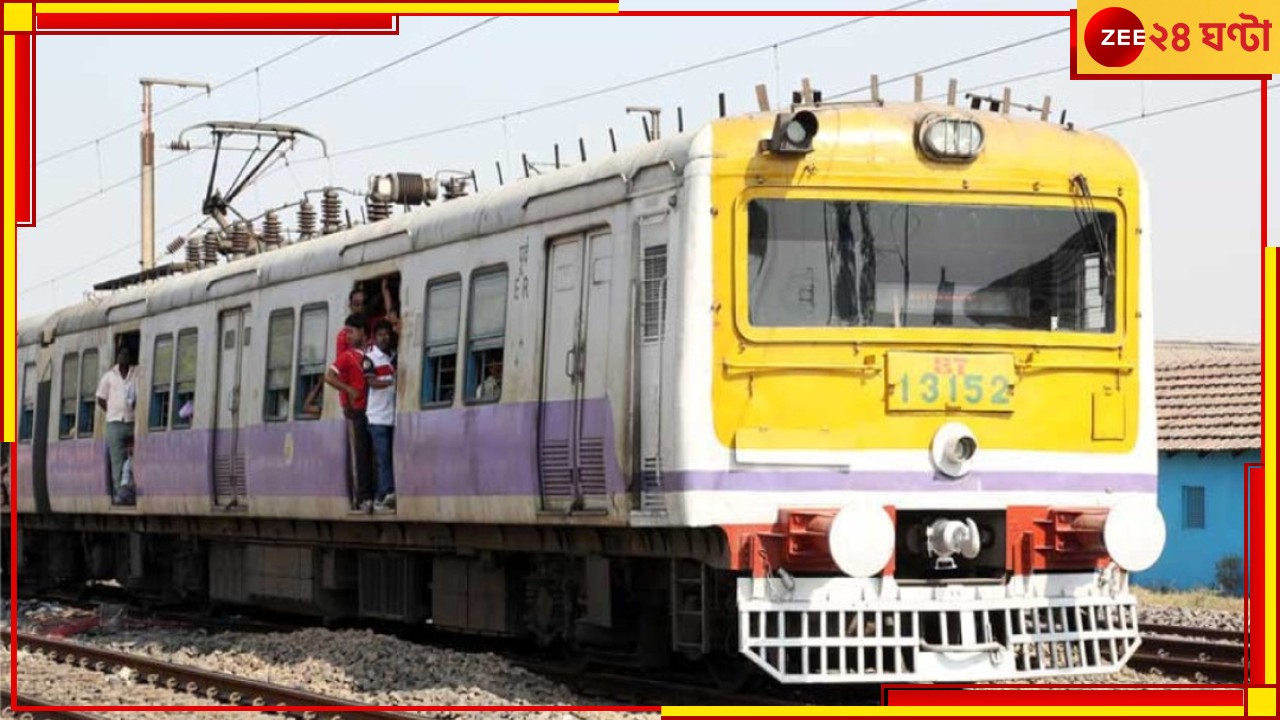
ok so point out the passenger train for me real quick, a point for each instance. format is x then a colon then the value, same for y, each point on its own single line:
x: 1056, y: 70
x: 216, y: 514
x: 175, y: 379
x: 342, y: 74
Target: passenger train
x: 839, y: 393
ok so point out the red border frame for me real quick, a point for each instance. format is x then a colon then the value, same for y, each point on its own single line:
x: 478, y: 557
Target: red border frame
x: 225, y: 24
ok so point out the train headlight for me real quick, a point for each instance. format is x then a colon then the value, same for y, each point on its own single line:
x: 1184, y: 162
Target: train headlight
x: 953, y: 450
x: 1134, y: 534
x: 861, y: 540
x: 950, y: 139
x: 793, y: 133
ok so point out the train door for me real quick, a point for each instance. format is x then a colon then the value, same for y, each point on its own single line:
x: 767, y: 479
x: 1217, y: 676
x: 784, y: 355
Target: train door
x: 229, y: 484
x: 573, y: 417
x: 649, y: 350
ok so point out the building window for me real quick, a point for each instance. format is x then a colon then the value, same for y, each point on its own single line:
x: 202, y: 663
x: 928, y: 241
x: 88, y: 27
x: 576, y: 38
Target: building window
x: 440, y: 352
x: 279, y: 365
x: 26, y: 422
x: 313, y: 338
x: 1192, y: 507
x: 161, y: 383
x: 184, y: 379
x: 486, y: 333
x: 68, y: 392
x: 88, y: 392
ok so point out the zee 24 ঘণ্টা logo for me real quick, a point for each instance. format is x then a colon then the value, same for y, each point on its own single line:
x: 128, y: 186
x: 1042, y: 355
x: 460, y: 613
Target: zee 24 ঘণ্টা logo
x: 1115, y: 37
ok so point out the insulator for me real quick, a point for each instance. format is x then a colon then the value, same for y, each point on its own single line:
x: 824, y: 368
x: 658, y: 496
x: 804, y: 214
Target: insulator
x: 193, y: 252
x: 379, y: 208
x: 271, y: 229
x: 239, y: 239
x: 211, y: 248
x: 175, y: 245
x: 404, y: 188
x: 331, y: 211
x: 306, y: 220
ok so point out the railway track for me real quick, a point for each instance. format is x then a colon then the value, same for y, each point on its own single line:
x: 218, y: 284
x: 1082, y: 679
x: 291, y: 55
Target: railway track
x: 8, y: 700
x: 1212, y: 654
x: 218, y: 688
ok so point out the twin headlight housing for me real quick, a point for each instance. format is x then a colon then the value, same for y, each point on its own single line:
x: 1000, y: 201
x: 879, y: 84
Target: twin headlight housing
x: 944, y: 138
x: 948, y: 138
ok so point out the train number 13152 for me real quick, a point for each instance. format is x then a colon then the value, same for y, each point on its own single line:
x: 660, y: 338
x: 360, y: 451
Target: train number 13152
x: 928, y: 381
x: 970, y: 389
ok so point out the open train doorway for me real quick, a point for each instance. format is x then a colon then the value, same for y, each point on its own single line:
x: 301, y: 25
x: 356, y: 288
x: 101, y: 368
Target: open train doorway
x: 378, y: 300
x: 123, y: 363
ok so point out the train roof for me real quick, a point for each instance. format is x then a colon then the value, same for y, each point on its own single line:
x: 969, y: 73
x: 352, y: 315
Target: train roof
x: 533, y: 200
x: 878, y: 132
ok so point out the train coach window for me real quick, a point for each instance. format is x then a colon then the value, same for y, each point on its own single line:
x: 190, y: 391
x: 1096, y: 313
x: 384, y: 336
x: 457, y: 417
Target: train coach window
x: 161, y: 383
x: 440, y: 352
x: 184, y: 379
x: 486, y: 334
x: 26, y: 421
x: 88, y: 387
x: 835, y: 263
x: 69, y: 394
x: 279, y: 365
x: 313, y: 332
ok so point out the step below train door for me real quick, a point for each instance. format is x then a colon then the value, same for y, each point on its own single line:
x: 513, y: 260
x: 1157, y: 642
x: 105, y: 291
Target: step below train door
x: 229, y: 484
x: 574, y: 418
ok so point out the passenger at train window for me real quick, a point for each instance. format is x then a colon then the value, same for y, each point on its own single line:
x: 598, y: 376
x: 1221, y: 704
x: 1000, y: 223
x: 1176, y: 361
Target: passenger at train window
x: 184, y: 378
x: 117, y: 395
x: 313, y: 327
x: 311, y: 405
x: 382, y: 413
x: 491, y: 387
x: 347, y: 376
x: 486, y: 334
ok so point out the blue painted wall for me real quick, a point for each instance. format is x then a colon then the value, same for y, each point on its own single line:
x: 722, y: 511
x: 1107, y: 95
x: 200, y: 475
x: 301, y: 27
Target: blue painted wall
x: 1191, y: 555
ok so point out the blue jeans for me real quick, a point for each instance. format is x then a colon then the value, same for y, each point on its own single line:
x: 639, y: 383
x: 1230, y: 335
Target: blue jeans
x: 383, y: 437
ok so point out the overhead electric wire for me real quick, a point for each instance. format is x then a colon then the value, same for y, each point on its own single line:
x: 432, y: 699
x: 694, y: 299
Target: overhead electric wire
x: 1005, y: 81
x: 949, y: 63
x: 132, y: 244
x: 180, y: 103
x: 617, y: 86
x: 365, y: 75
x: 121, y: 183
x: 1184, y: 106
x: 45, y: 217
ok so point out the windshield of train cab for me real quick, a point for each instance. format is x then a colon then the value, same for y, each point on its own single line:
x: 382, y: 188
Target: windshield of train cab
x: 836, y: 263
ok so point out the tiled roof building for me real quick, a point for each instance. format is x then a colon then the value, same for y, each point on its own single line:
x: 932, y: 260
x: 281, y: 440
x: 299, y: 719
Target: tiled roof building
x: 1209, y: 396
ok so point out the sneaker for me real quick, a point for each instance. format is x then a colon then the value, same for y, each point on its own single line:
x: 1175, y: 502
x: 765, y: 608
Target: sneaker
x: 389, y: 502
x: 366, y: 506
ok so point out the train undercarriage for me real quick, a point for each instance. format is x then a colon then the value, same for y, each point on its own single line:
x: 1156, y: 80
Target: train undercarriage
x: 633, y: 598
x: 638, y: 598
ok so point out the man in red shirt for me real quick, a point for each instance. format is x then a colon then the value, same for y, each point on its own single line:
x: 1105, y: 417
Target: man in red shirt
x: 347, y: 375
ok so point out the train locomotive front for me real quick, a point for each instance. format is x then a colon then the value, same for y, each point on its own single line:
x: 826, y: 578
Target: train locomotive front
x: 930, y: 441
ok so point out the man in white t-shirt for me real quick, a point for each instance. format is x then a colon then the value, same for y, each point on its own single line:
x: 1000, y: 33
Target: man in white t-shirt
x: 117, y: 396
x: 382, y: 412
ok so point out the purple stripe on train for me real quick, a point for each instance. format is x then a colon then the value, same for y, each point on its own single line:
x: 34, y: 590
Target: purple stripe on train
x: 477, y: 451
x: 896, y: 481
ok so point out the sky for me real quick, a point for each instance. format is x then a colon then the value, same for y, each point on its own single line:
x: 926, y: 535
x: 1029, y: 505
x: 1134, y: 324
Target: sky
x: 1202, y: 164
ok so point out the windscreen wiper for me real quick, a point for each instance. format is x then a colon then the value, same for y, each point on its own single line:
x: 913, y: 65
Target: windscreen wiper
x: 1088, y: 218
